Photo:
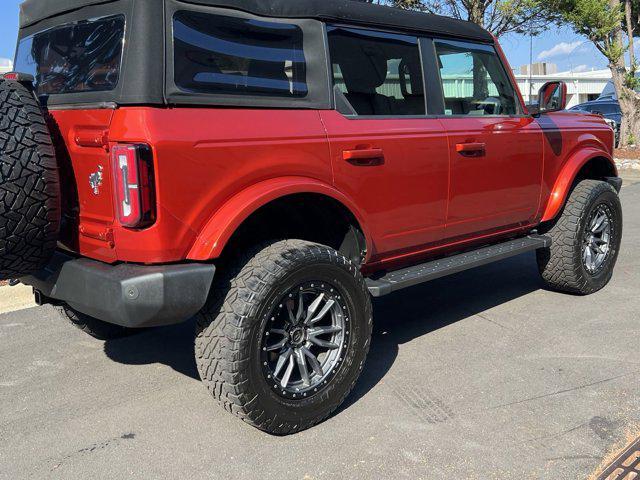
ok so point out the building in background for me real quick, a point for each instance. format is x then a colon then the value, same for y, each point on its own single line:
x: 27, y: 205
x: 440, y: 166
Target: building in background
x: 581, y: 86
x: 540, y: 68
x: 5, y: 66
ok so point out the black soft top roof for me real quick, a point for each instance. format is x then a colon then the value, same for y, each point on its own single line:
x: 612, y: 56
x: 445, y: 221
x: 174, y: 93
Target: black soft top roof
x: 348, y: 11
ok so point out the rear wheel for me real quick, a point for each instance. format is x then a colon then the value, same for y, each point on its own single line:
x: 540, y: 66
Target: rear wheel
x: 29, y: 184
x: 92, y: 326
x: 586, y: 240
x: 285, y: 335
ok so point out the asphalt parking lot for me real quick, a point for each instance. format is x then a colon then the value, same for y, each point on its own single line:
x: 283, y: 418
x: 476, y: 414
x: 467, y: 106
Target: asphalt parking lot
x: 482, y: 375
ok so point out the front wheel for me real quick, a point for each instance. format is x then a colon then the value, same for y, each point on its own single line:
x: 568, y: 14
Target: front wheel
x: 585, y: 240
x: 285, y: 335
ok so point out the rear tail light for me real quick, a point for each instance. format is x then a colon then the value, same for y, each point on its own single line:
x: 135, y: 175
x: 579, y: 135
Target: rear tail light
x: 19, y: 77
x: 133, y: 185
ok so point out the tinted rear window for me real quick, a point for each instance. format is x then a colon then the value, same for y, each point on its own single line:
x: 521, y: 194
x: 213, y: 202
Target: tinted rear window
x: 378, y: 73
x: 227, y: 55
x: 82, y: 57
x: 605, y: 108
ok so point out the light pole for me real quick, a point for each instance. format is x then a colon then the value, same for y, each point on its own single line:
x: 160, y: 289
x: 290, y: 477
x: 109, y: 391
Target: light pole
x: 530, y: 68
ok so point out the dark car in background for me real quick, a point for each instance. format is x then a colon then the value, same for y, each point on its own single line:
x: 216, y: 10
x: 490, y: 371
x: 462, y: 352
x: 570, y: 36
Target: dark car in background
x: 608, y: 107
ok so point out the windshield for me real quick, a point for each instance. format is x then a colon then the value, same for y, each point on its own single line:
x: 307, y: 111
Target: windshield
x: 74, y: 58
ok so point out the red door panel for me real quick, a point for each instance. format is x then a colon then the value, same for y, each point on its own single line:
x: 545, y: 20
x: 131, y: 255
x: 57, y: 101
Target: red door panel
x: 496, y: 173
x: 396, y: 171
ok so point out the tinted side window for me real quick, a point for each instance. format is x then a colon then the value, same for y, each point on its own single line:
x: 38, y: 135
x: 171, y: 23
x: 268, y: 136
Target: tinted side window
x: 605, y: 108
x: 379, y: 73
x: 229, y: 55
x: 474, y: 80
x: 75, y: 58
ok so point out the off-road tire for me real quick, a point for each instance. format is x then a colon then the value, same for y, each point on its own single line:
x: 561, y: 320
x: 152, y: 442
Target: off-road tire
x: 561, y: 265
x: 230, y: 327
x: 92, y: 326
x: 29, y: 184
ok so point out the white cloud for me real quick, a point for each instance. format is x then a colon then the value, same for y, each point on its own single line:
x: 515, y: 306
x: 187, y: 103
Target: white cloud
x: 563, y: 48
x: 5, y: 63
x: 581, y: 68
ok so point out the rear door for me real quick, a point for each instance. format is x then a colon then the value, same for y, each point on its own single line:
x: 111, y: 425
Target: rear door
x: 387, y: 155
x: 495, y: 150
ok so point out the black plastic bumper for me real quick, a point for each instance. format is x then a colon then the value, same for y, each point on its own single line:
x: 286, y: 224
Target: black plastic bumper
x: 133, y: 296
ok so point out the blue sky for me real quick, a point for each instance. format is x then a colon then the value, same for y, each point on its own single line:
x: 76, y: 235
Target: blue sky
x: 560, y: 46
x: 8, y: 28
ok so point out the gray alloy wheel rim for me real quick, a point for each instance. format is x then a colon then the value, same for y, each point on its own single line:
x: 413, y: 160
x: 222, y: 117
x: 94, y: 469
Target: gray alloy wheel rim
x: 598, y: 236
x: 305, y: 340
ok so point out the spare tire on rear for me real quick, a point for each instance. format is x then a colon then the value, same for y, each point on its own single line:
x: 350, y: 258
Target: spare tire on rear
x: 29, y: 184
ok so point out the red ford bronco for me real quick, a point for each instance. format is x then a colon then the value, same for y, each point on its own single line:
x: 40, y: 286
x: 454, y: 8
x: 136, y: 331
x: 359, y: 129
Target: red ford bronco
x: 268, y: 167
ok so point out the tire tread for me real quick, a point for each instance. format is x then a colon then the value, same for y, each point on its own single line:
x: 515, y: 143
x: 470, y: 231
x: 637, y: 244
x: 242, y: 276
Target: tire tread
x: 223, y: 328
x: 30, y: 209
x: 92, y: 326
x: 558, y: 265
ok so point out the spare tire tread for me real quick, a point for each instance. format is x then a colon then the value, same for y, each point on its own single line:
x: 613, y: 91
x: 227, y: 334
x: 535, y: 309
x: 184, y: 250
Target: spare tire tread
x: 30, y: 207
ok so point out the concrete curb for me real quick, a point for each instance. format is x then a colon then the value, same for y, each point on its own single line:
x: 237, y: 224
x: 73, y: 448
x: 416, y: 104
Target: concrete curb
x: 16, y: 298
x: 624, y: 164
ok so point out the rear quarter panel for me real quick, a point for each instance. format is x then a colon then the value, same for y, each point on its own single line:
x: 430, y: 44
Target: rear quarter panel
x: 205, y: 156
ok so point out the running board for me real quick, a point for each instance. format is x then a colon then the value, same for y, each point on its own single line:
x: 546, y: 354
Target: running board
x: 408, y: 277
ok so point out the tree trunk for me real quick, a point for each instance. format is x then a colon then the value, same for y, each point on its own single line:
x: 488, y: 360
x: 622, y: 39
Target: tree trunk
x: 629, y: 105
x: 629, y: 100
x: 629, y: 22
x: 476, y: 12
x: 480, y: 80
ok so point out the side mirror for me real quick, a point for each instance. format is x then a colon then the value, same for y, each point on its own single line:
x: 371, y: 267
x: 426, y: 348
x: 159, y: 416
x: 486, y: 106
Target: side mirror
x: 552, y: 97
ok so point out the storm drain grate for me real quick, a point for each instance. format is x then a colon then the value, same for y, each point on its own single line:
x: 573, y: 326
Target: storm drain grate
x: 626, y: 466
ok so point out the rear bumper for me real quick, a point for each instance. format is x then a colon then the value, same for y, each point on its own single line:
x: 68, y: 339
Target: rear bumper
x: 134, y: 296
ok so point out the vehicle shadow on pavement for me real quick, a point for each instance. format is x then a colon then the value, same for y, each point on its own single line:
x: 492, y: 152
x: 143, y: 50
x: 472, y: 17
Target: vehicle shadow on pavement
x: 172, y: 346
x: 415, y: 312
x: 398, y: 319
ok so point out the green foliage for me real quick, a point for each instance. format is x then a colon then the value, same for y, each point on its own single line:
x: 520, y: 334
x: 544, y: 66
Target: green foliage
x: 631, y: 140
x: 631, y: 81
x: 598, y: 20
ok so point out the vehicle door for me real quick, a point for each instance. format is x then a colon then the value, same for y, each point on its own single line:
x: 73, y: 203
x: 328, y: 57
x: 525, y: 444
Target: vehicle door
x: 495, y: 150
x: 387, y: 154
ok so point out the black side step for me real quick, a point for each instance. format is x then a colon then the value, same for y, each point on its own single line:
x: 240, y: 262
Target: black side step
x: 408, y: 277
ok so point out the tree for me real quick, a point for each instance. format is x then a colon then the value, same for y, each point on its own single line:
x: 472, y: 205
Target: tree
x: 498, y: 16
x: 611, y: 25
